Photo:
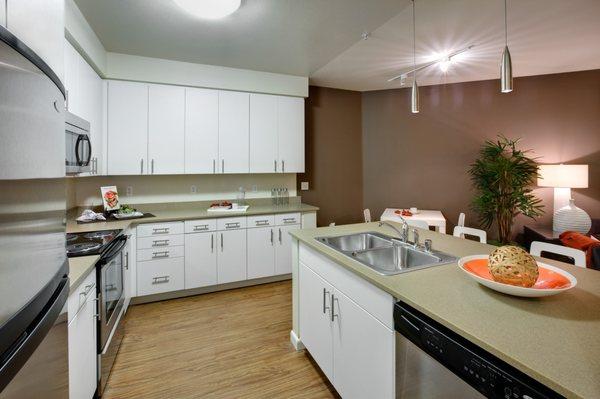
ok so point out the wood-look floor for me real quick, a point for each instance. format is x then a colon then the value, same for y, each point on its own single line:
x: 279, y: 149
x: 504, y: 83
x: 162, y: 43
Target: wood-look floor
x: 229, y: 344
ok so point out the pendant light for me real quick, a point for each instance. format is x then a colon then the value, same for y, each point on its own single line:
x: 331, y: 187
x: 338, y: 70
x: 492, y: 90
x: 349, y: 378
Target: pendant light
x: 414, y: 99
x: 506, y: 79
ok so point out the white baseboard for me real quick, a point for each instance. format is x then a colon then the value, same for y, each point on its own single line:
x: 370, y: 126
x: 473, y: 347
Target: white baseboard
x: 296, y: 341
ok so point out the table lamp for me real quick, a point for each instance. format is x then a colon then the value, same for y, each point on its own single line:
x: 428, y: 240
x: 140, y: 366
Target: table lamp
x: 563, y: 178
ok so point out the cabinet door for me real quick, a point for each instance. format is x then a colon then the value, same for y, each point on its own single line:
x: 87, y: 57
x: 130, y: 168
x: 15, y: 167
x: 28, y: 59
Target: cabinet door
x: 231, y: 256
x: 40, y: 24
x: 283, y: 249
x: 166, y: 120
x: 3, y: 13
x: 201, y: 130
x: 263, y: 134
x: 71, y: 80
x: 233, y: 132
x: 128, y: 272
x: 315, y: 325
x: 82, y: 351
x: 363, y: 352
x: 89, y: 101
x: 261, y: 252
x: 127, y: 128
x: 290, y: 128
x: 200, y: 260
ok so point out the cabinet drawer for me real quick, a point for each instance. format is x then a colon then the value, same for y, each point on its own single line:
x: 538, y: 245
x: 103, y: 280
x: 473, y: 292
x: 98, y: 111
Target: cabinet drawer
x: 86, y: 291
x: 231, y: 223
x: 159, y: 229
x: 287, y: 218
x: 158, y: 276
x: 160, y: 253
x: 199, y: 226
x: 261, y: 221
x: 161, y: 241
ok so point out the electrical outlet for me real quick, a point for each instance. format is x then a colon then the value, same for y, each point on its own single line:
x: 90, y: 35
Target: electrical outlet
x: 304, y: 186
x: 254, y: 188
x: 193, y: 189
x: 129, y: 191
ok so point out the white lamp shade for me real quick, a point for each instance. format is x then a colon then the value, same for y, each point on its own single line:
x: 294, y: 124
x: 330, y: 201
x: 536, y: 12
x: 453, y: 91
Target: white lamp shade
x: 566, y: 176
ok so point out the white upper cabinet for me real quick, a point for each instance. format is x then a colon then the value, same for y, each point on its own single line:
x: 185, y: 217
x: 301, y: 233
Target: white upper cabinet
x: 263, y: 133
x: 234, y: 108
x: 40, y: 24
x: 166, y: 119
x: 127, y: 128
x: 290, y: 127
x: 3, y: 13
x: 71, y: 77
x: 201, y: 130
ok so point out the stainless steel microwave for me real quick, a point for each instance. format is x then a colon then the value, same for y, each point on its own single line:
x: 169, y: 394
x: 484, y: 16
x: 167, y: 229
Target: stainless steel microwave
x: 78, y: 156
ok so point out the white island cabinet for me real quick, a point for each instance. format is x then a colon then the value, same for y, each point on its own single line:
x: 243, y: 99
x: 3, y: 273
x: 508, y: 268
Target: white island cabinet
x: 347, y: 326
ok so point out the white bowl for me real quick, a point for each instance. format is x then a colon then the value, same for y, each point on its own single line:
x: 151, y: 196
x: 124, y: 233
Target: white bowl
x: 516, y: 290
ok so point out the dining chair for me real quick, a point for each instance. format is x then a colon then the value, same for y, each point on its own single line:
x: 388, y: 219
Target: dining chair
x: 460, y: 231
x: 418, y: 223
x: 367, y: 214
x: 461, y: 220
x: 537, y: 247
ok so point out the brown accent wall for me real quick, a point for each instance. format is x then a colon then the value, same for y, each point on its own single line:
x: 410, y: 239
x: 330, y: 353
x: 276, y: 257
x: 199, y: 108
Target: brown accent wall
x: 333, y: 155
x: 422, y: 159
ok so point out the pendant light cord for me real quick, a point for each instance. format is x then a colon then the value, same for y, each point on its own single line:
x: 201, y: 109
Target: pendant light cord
x: 414, y: 38
x: 505, y: 26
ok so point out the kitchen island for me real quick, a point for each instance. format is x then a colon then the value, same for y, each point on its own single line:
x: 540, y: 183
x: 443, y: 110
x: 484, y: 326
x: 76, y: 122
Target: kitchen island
x: 555, y: 340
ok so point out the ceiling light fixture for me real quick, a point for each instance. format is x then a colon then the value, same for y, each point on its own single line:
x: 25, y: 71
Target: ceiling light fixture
x: 445, y: 64
x: 506, y: 78
x: 209, y: 9
x: 415, y: 88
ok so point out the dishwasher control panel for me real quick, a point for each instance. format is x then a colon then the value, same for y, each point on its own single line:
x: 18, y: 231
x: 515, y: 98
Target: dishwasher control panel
x: 488, y: 374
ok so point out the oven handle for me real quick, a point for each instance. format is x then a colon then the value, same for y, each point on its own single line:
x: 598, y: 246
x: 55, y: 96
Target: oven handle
x: 114, y: 248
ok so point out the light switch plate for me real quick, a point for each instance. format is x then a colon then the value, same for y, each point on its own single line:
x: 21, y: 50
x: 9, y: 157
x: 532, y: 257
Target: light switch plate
x: 304, y: 186
x: 193, y: 189
x: 129, y: 191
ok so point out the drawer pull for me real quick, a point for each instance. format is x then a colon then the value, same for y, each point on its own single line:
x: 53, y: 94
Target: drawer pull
x: 280, y: 236
x: 160, y: 230
x: 201, y: 227
x: 271, y: 237
x: 160, y: 243
x: 212, y: 243
x: 289, y: 220
x: 158, y: 255
x: 160, y: 279
x: 262, y: 222
x: 232, y: 225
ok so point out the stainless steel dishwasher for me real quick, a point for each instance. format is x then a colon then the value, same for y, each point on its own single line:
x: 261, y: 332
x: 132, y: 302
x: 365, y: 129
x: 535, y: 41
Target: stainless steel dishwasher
x: 433, y: 362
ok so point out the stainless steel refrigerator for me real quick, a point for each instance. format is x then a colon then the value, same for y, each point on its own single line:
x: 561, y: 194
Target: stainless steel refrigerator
x: 34, y: 281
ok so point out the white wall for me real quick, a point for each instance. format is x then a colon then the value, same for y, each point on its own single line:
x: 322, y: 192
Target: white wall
x: 79, y: 33
x: 85, y: 191
x: 155, y: 70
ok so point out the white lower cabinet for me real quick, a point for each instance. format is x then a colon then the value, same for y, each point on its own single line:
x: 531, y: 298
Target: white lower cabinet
x: 352, y: 347
x: 231, y: 257
x: 82, y: 339
x: 128, y: 269
x: 200, y: 260
x: 158, y: 276
x: 283, y: 249
x: 261, y: 252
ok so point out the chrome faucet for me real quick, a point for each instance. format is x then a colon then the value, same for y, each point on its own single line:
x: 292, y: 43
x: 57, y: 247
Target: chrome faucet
x: 402, y: 233
x: 416, y: 238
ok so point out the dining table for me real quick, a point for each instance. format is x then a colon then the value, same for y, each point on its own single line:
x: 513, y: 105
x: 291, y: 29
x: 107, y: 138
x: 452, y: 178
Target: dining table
x: 433, y: 218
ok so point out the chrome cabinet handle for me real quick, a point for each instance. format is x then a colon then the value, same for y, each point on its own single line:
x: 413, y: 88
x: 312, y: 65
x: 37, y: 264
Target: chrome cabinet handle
x: 159, y: 255
x: 201, y: 227
x: 142, y: 166
x: 160, y: 230
x: 282, y: 166
x: 126, y: 260
x: 212, y: 243
x: 152, y: 165
x: 160, y: 279
x: 222, y: 166
x: 275, y: 168
x: 214, y: 168
x: 271, y: 236
x: 221, y: 242
x: 83, y: 294
x: 332, y: 309
x: 289, y: 220
x: 280, y: 236
x: 262, y: 222
x: 160, y: 243
x: 232, y: 225
x: 325, y: 307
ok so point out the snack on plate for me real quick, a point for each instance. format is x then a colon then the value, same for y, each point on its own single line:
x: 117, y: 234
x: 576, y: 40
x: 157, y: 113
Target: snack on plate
x: 513, y: 265
x: 403, y: 212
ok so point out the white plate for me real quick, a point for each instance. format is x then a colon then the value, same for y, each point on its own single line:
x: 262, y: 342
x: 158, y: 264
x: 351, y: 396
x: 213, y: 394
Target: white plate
x: 513, y: 289
x: 131, y: 215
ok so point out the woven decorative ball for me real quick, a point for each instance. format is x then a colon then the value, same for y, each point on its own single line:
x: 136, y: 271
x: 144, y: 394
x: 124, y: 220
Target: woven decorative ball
x: 513, y: 265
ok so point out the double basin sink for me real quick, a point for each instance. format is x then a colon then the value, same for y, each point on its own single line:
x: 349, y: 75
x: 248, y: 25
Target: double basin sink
x: 384, y: 254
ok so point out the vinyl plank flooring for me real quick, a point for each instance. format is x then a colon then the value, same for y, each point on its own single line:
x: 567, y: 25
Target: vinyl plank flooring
x: 229, y: 344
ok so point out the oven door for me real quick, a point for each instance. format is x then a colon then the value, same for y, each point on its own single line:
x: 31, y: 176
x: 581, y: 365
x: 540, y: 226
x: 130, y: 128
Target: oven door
x: 111, y: 294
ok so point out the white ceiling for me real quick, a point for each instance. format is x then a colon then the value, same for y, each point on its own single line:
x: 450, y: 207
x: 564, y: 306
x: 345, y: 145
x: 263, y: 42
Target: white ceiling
x: 321, y: 38
x: 544, y: 36
x: 294, y: 37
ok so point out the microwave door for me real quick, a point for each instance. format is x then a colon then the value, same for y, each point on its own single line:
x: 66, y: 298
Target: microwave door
x: 86, y: 150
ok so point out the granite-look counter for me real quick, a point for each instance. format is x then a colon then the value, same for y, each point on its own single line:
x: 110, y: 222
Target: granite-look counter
x: 555, y: 340
x: 79, y: 268
x: 183, y: 211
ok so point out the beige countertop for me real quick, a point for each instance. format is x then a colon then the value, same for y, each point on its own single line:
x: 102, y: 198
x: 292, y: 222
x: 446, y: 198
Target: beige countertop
x: 555, y: 340
x: 79, y: 268
x: 184, y: 211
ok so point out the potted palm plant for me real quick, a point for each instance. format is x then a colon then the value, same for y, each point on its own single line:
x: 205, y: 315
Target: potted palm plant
x: 503, y: 177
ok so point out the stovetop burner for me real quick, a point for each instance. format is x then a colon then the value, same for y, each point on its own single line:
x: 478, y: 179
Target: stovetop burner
x: 72, y: 237
x: 100, y: 234
x: 82, y: 247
